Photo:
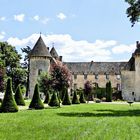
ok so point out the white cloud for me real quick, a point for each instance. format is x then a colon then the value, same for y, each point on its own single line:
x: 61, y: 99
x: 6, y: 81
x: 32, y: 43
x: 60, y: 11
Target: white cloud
x: 61, y: 16
x: 77, y: 50
x: 2, y: 35
x: 120, y: 49
x: 19, y: 17
x: 36, y: 17
x: 2, y: 18
x: 45, y: 20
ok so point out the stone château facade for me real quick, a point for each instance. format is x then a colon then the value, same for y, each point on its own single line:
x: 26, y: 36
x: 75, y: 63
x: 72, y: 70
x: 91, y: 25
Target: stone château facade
x: 124, y: 76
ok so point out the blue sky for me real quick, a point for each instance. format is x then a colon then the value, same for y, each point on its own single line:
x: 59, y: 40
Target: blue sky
x: 82, y: 30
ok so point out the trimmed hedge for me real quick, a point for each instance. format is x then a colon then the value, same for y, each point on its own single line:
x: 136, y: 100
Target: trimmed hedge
x: 66, y: 99
x: 82, y: 97
x: 9, y: 103
x: 47, y: 98
x: 75, y: 99
x: 108, y: 92
x: 54, y: 100
x: 18, y: 97
x: 36, y: 102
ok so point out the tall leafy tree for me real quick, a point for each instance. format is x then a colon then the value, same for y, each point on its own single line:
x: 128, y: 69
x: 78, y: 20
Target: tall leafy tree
x: 45, y: 82
x: 26, y: 64
x: 88, y: 87
x: 133, y: 11
x: 10, y: 57
x: 18, y: 77
x: 61, y: 76
x: 2, y: 73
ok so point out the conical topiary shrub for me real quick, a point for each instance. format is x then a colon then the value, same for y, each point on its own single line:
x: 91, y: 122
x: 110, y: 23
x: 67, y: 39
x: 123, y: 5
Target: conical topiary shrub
x: 18, y: 97
x: 54, y: 100
x: 47, y: 97
x: 82, y: 97
x: 66, y: 99
x: 9, y: 104
x: 75, y: 99
x: 36, y: 102
x: 108, y: 92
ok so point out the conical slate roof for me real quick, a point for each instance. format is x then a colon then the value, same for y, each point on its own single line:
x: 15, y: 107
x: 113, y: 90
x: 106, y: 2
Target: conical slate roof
x: 54, y: 53
x: 40, y: 49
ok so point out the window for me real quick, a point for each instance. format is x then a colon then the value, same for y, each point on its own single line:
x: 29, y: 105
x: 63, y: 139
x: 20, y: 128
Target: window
x: 85, y: 76
x: 96, y: 76
x: 39, y: 71
x: 107, y: 76
x: 118, y: 87
x: 75, y: 86
x: 75, y: 76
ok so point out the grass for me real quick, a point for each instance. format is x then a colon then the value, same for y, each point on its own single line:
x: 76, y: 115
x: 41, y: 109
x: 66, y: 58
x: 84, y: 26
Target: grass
x: 75, y: 122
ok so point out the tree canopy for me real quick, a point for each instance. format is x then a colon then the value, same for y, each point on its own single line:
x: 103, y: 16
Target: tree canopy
x: 61, y: 76
x: 133, y: 11
x: 10, y: 61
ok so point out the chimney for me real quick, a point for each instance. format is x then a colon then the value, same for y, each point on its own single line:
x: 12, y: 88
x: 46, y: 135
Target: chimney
x: 60, y: 58
x: 137, y: 44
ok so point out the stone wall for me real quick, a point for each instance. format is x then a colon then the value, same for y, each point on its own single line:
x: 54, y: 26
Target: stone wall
x: 37, y: 65
x: 137, y: 78
x: 102, y: 80
x: 128, y: 84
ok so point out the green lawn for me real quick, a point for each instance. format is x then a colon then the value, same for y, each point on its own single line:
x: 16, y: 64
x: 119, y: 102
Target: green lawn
x: 75, y: 122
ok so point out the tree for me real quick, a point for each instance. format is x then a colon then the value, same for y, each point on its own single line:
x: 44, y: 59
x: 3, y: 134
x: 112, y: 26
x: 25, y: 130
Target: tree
x: 18, y: 77
x: 36, y: 102
x: 18, y: 96
x: 88, y: 89
x: 108, y: 92
x: 10, y: 56
x: 9, y: 104
x: 133, y: 11
x: 66, y: 99
x: 61, y: 76
x: 54, y: 100
x: 10, y: 59
x: 26, y: 64
x: 75, y: 99
x: 45, y: 83
x: 2, y: 73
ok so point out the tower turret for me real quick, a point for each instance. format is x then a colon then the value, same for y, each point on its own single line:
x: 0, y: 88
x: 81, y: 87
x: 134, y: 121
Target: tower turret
x: 39, y: 61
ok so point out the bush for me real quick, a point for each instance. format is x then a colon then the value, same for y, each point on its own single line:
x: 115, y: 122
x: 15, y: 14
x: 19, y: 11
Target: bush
x: 75, y: 99
x: 108, y: 92
x: 54, y: 100
x: 36, y: 102
x: 47, y: 98
x: 66, y: 99
x: 97, y: 100
x: 82, y: 97
x: 18, y: 96
x: 9, y: 104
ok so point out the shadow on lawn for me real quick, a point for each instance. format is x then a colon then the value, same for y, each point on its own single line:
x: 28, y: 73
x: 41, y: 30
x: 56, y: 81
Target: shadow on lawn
x: 102, y: 113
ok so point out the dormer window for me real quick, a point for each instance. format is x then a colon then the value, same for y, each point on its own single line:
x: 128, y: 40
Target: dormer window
x: 118, y: 77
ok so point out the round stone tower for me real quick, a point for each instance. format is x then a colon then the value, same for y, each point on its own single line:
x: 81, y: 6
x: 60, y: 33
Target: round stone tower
x: 39, y: 61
